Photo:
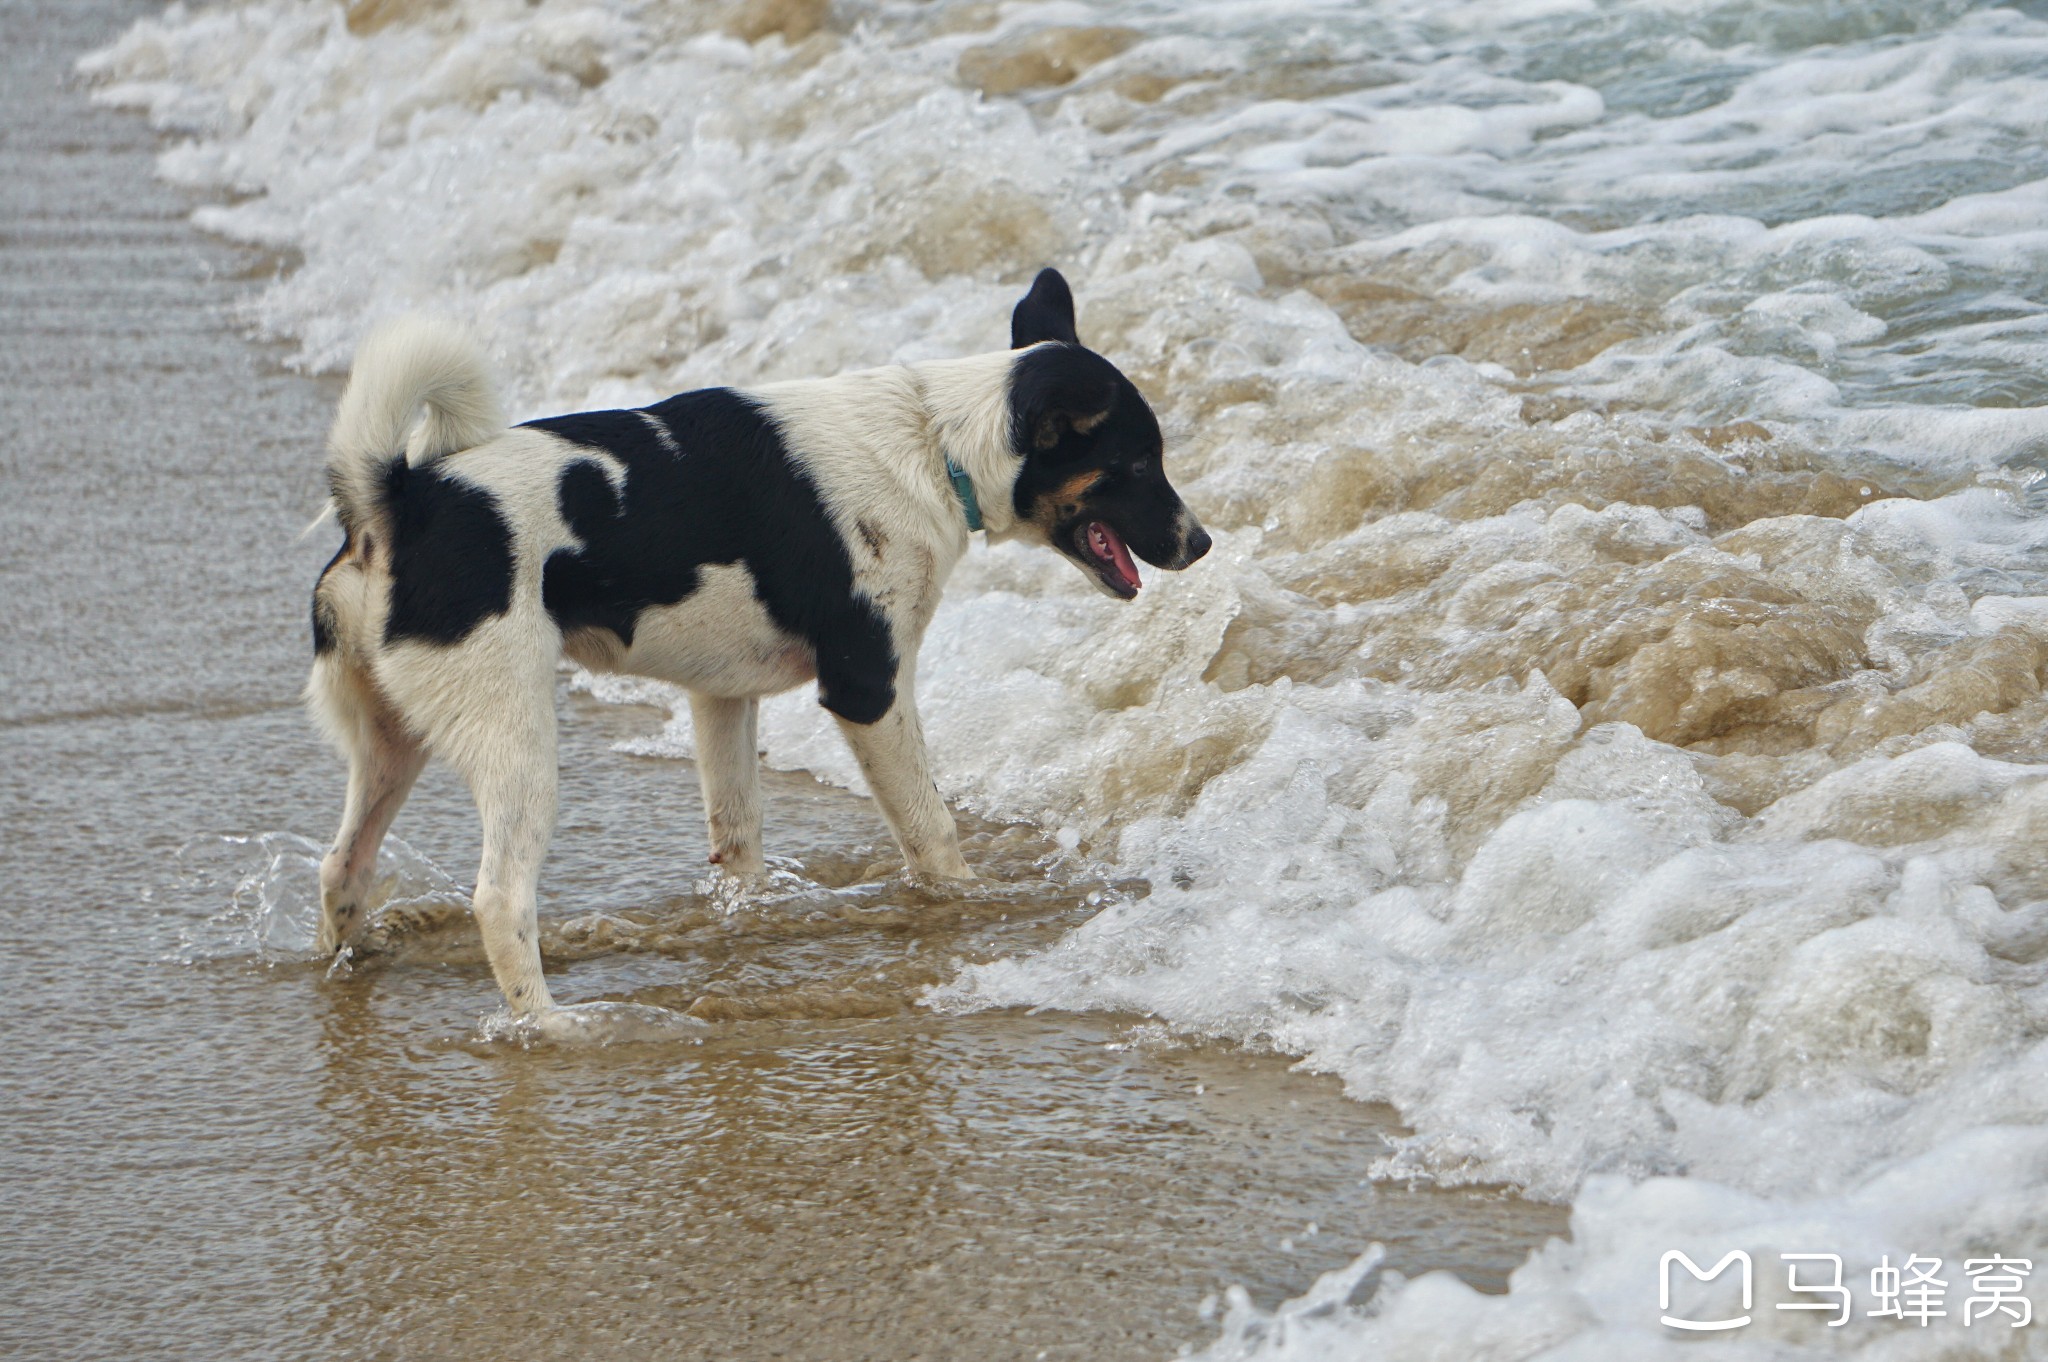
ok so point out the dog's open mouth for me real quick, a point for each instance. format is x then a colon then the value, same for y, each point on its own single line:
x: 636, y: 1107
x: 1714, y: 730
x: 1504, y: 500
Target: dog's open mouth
x: 1102, y: 548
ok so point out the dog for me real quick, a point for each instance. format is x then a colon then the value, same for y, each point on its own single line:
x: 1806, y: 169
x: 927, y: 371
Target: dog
x: 736, y: 542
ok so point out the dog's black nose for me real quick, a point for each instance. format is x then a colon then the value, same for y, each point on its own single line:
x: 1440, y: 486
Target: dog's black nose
x: 1198, y: 544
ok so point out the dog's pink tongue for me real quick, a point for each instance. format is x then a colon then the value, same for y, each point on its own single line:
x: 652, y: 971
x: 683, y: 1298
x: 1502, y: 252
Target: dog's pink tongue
x: 1110, y: 546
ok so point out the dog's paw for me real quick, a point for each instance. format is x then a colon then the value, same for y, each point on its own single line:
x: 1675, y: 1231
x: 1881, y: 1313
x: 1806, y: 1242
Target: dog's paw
x: 737, y: 857
x: 729, y: 891
x: 340, y: 945
x: 602, y: 1023
x: 332, y: 935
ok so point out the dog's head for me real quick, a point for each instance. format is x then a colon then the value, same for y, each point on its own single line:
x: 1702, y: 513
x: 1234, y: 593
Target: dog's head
x: 1093, y: 484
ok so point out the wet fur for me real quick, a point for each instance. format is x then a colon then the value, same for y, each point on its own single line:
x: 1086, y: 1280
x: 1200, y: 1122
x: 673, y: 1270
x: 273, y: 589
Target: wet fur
x: 735, y: 542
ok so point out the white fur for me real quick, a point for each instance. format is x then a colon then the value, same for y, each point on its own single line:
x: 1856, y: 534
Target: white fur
x: 401, y: 367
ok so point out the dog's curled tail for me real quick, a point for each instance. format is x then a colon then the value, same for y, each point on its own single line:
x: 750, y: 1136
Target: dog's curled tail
x: 402, y: 366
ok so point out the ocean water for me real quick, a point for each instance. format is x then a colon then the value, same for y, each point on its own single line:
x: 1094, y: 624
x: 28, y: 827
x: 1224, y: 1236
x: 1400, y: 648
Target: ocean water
x: 1610, y: 727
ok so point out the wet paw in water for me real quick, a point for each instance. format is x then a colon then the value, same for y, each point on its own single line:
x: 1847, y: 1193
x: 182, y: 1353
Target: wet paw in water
x: 600, y: 1023
x: 818, y: 939
x: 781, y: 880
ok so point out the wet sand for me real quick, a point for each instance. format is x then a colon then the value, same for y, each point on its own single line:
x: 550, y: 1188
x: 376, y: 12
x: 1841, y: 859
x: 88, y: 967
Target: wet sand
x: 211, y: 1155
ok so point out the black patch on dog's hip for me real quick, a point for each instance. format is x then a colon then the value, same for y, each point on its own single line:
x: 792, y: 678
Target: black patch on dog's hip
x: 451, y: 559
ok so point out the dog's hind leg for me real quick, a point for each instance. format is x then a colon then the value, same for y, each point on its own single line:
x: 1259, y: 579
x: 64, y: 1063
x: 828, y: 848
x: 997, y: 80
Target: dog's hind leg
x: 502, y: 740
x: 729, y: 772
x: 892, y: 756
x: 517, y: 802
x: 379, y: 779
x: 383, y: 762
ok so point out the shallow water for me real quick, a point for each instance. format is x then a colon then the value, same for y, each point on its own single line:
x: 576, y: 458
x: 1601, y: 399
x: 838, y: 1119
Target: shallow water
x: 212, y: 1149
x: 1609, y: 729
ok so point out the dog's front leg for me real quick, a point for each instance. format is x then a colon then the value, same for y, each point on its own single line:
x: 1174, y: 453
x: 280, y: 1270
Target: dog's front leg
x: 729, y: 772
x: 892, y: 757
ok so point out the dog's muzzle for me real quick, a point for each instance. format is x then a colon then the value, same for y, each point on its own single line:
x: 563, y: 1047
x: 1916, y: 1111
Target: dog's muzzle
x: 1194, y: 542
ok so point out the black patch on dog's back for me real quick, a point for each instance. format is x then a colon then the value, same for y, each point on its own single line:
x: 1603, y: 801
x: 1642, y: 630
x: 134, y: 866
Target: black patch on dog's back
x: 451, y: 559
x: 624, y: 565
x: 582, y: 590
x: 727, y: 492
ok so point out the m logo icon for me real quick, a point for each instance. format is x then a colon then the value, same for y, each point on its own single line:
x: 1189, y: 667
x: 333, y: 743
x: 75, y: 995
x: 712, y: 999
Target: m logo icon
x: 1664, y: 1288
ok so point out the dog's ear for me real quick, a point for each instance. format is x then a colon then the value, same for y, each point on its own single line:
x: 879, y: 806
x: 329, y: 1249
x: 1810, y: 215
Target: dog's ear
x: 1044, y: 314
x: 1058, y: 393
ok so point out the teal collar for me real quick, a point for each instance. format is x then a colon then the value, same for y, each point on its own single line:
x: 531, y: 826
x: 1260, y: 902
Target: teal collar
x: 963, y: 488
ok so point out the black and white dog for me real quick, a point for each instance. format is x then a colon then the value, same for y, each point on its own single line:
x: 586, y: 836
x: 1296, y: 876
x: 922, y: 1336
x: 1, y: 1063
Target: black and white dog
x: 735, y: 542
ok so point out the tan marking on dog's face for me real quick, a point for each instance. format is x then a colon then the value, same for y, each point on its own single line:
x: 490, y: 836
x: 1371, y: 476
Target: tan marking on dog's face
x: 1078, y: 486
x: 872, y: 534
x: 1064, y: 501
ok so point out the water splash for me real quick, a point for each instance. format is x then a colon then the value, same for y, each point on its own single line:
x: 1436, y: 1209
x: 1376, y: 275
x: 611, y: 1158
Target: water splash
x: 1312, y: 1325
x: 271, y: 881
x: 592, y: 1024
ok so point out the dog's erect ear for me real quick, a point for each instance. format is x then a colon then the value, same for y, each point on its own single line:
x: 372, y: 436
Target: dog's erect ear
x: 1044, y: 314
x: 1057, y: 393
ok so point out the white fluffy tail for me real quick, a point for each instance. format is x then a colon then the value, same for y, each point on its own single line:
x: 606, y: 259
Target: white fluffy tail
x: 403, y: 365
